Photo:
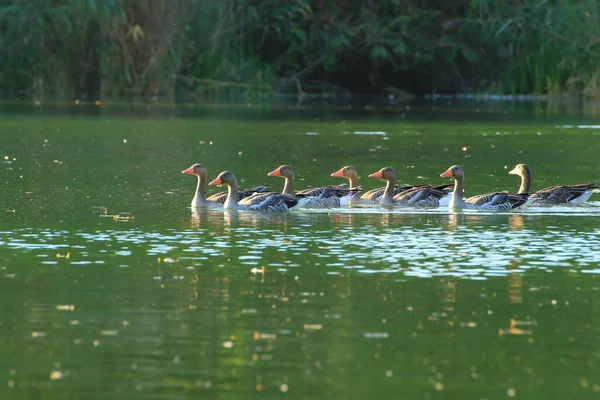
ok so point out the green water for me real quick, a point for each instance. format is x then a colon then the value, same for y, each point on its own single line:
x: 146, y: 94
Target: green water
x: 113, y: 288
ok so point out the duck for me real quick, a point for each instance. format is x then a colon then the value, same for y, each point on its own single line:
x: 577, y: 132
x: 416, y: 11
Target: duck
x: 320, y: 197
x: 496, y: 201
x: 412, y: 196
x: 568, y: 194
x: 268, y: 202
x: 372, y: 196
x: 218, y: 199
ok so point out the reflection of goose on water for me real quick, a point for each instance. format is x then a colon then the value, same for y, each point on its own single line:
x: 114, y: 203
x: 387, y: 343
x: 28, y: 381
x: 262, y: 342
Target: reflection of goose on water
x: 257, y: 220
x: 218, y: 199
x: 570, y: 194
x: 513, y: 330
x: 320, y: 197
x: 202, y: 217
x: 496, y: 201
x: 417, y: 196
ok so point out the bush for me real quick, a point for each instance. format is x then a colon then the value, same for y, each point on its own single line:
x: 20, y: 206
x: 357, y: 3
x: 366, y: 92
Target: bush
x: 140, y: 48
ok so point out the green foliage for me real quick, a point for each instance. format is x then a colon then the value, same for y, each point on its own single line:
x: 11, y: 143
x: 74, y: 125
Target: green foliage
x: 141, y: 47
x: 538, y: 46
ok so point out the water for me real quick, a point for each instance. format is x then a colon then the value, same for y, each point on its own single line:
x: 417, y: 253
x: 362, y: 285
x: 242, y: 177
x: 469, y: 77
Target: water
x: 113, y: 288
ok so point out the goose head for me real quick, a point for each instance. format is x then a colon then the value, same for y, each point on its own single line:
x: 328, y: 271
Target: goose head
x: 224, y: 178
x: 196, y: 169
x: 454, y: 171
x: 519, y: 169
x: 284, y: 171
x: 346, y: 172
x: 387, y: 173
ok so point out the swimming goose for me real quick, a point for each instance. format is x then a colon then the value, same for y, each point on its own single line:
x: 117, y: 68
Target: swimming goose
x: 573, y: 194
x: 414, y: 196
x: 320, y: 197
x: 372, y: 196
x: 270, y: 202
x: 496, y: 201
x: 216, y: 200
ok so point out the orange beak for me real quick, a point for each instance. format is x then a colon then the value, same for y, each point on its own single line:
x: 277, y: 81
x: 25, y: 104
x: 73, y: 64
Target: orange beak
x: 339, y: 174
x: 377, y: 174
x: 188, y: 171
x: 447, y: 174
x: 216, y: 181
x: 275, y: 172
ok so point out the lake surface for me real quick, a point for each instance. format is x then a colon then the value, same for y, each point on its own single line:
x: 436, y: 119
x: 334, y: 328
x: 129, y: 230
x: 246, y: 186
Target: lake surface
x: 113, y: 288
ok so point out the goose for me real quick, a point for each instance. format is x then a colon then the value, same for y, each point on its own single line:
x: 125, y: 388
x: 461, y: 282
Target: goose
x: 569, y: 194
x: 496, y: 201
x: 320, y: 197
x: 270, y: 202
x: 372, y: 196
x: 216, y: 200
x: 413, y: 196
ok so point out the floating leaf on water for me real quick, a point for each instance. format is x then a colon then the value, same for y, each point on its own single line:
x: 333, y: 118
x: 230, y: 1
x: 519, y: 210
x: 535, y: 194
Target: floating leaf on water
x: 38, y: 334
x: 109, y: 332
x: 54, y: 375
x: 313, y: 327
x: 123, y: 218
x: 66, y: 307
x: 376, y: 335
x: 228, y: 344
x: 264, y: 336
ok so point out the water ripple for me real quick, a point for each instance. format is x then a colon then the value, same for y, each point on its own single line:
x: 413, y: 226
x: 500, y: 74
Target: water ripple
x: 471, y: 246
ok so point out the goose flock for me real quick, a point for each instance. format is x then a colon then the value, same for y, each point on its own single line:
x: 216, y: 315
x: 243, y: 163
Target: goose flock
x: 258, y: 198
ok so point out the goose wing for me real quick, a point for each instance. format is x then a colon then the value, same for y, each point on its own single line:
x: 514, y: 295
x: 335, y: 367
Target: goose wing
x: 499, y: 201
x: 269, y: 202
x: 423, y: 196
x: 339, y: 190
x: 565, y: 194
x: 375, y: 194
x: 222, y: 196
x: 329, y: 196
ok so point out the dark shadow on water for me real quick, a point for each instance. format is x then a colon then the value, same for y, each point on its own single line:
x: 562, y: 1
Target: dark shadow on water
x: 377, y: 107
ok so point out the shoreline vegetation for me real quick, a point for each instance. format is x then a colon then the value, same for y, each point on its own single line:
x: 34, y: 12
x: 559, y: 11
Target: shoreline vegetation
x: 187, y: 51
